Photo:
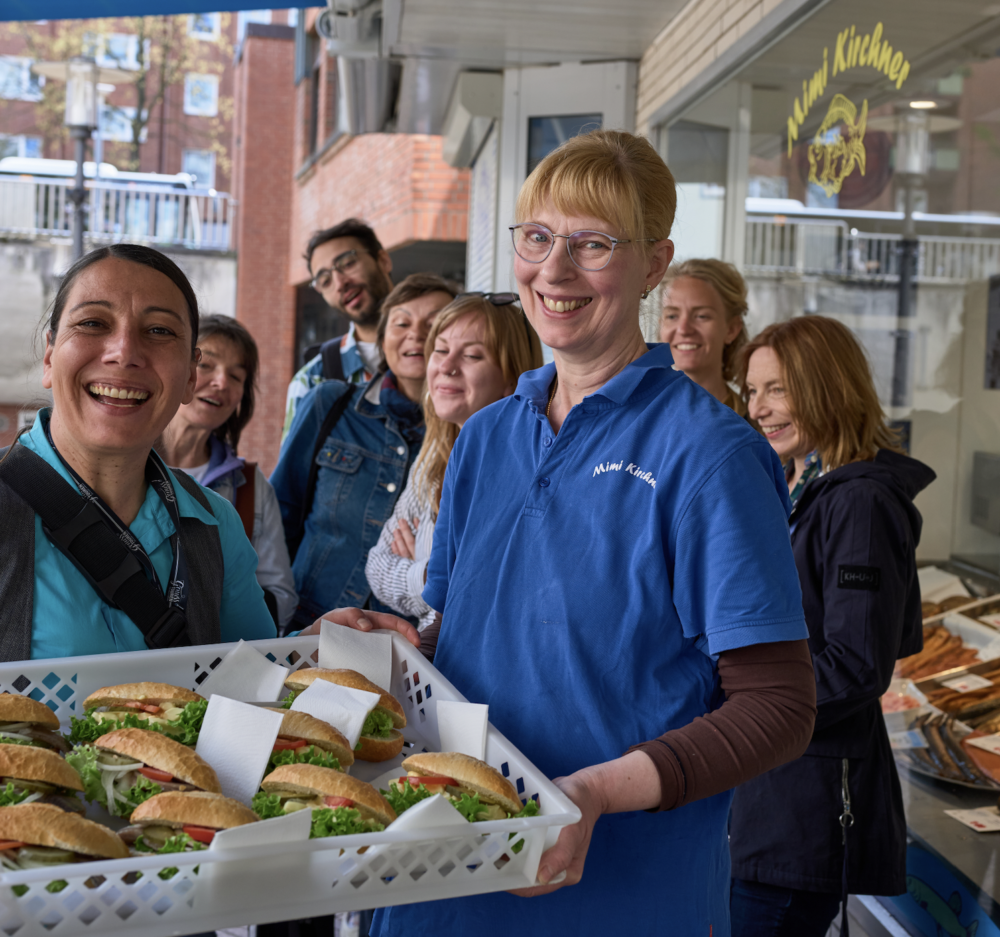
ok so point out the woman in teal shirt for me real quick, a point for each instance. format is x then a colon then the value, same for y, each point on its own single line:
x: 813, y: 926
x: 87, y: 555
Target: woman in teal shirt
x: 119, y: 359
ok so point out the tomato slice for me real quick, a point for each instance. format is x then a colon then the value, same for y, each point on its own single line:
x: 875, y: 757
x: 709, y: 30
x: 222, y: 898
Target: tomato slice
x: 145, y: 707
x: 441, y: 782
x: 154, y: 774
x: 338, y: 802
x: 10, y: 844
x: 282, y: 744
x: 200, y: 834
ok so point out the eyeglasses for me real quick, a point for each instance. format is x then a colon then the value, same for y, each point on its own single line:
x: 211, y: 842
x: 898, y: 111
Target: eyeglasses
x: 342, y: 263
x: 589, y: 250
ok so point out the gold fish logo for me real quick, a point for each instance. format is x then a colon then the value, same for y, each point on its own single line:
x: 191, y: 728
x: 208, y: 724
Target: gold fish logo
x: 836, y: 152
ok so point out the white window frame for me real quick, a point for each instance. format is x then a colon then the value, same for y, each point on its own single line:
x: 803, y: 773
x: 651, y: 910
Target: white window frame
x: 250, y: 16
x: 97, y: 44
x: 23, y: 92
x: 22, y: 143
x: 114, y: 114
x: 191, y: 106
x: 207, y: 36
x: 200, y: 182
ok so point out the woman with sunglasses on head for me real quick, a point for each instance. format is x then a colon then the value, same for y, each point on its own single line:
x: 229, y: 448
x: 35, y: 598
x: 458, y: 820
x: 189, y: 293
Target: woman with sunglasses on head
x: 805, y: 835
x: 348, y: 453
x: 201, y: 440
x: 612, y: 562
x: 704, y: 302
x: 478, y: 347
x: 105, y: 549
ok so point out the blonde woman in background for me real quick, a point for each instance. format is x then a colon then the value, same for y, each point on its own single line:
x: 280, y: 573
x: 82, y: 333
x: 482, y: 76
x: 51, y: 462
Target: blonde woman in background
x: 478, y: 347
x: 703, y: 309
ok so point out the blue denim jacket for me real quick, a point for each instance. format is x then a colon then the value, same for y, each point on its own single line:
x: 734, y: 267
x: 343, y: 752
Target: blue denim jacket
x: 363, y: 467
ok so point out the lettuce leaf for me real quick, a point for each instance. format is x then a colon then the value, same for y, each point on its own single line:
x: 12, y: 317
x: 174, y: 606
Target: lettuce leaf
x: 340, y: 821
x: 184, y: 728
x: 286, y: 703
x: 9, y: 741
x: 468, y: 806
x: 179, y: 843
x: 56, y: 886
x: 530, y: 809
x: 84, y: 761
x: 309, y: 755
x: 142, y: 791
x: 267, y: 806
x: 402, y: 798
x: 10, y: 796
x: 378, y: 725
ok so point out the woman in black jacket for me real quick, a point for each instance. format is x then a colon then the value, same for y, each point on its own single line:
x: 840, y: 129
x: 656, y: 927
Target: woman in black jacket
x: 805, y: 835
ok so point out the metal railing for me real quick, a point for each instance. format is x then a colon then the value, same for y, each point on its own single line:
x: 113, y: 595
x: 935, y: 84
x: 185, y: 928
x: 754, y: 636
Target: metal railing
x: 142, y: 213
x: 831, y: 248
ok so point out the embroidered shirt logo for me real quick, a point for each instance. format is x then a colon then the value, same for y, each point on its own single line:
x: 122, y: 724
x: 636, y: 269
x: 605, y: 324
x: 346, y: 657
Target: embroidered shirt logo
x: 631, y: 468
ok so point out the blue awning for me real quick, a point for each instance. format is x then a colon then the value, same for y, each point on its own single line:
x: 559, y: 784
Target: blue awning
x: 88, y: 9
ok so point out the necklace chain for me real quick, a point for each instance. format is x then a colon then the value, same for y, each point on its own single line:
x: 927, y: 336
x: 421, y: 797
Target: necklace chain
x: 552, y: 395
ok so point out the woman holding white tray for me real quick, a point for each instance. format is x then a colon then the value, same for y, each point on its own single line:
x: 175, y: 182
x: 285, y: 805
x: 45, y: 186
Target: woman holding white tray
x: 105, y: 549
x: 612, y: 562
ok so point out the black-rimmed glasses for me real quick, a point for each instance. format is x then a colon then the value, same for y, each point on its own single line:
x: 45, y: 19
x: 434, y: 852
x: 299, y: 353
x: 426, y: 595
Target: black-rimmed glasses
x: 346, y: 262
x: 589, y: 250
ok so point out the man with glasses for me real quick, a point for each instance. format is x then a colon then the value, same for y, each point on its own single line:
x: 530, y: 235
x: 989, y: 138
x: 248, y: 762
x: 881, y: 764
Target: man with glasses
x: 351, y: 271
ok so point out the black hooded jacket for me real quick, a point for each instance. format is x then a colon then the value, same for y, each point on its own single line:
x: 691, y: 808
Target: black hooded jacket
x: 854, y: 535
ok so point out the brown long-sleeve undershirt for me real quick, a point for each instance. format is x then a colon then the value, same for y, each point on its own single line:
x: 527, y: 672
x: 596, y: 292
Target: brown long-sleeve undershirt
x: 766, y: 720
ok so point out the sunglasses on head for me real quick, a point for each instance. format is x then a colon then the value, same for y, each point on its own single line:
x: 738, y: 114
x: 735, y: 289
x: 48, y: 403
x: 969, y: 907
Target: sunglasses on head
x: 501, y: 299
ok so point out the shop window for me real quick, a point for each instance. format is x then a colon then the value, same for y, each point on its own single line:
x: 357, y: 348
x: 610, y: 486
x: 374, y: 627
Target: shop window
x: 697, y: 156
x: 201, y: 95
x: 205, y: 26
x: 201, y: 165
x: 547, y: 133
x: 17, y: 81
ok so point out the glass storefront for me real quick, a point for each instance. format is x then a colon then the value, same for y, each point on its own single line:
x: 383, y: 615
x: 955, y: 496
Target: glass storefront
x: 853, y: 169
x: 864, y: 144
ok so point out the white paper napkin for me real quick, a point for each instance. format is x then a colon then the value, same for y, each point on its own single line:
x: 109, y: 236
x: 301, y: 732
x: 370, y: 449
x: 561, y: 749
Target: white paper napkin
x: 434, y: 811
x: 291, y: 828
x: 245, y: 674
x: 367, y: 652
x: 462, y: 727
x: 343, y: 707
x: 237, y: 739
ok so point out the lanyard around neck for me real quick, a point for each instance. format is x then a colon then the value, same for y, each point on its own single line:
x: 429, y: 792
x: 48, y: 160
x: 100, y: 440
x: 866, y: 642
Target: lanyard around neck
x: 158, y: 477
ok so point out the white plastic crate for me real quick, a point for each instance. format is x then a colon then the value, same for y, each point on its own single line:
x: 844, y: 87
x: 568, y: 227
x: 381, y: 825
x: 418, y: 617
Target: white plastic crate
x: 210, y: 889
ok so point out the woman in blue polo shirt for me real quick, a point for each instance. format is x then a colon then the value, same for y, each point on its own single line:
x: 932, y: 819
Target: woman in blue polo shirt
x: 612, y: 561
x: 119, y: 359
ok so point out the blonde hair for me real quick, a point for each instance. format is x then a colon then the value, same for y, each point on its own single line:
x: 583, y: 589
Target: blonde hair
x: 831, y: 393
x: 512, y: 344
x: 606, y: 174
x: 726, y: 280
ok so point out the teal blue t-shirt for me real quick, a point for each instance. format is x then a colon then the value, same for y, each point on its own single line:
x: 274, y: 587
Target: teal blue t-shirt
x: 69, y: 618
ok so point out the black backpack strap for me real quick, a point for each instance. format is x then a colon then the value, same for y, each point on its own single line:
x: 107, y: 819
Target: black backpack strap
x: 333, y: 365
x: 333, y: 415
x: 76, y: 527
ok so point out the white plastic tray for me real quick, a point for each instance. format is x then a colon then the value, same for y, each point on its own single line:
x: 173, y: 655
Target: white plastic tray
x: 212, y: 889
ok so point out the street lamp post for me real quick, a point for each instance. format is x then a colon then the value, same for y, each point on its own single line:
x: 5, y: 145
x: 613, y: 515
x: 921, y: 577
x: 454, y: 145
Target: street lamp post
x: 81, y: 119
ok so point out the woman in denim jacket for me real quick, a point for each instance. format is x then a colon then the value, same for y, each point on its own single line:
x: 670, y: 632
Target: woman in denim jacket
x: 364, y: 461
